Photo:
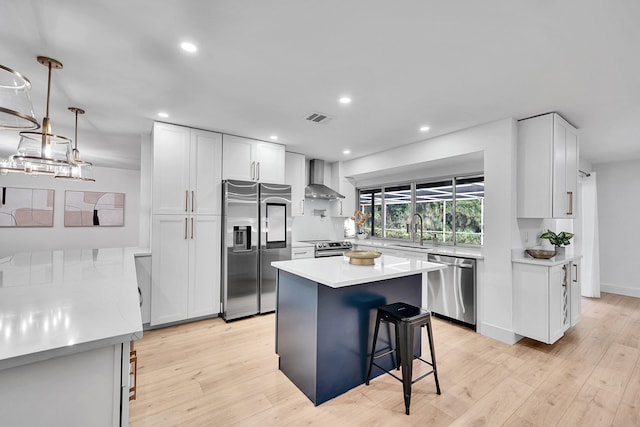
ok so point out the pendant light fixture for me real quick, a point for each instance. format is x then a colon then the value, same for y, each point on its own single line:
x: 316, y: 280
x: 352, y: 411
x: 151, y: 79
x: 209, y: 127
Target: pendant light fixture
x: 80, y: 170
x: 16, y: 109
x: 44, y: 152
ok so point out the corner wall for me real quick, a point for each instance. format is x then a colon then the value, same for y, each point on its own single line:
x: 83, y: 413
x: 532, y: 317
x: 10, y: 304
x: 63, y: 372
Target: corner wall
x: 497, y: 140
x: 20, y: 239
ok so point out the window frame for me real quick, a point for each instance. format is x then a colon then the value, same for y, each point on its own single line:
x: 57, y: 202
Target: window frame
x: 413, y: 184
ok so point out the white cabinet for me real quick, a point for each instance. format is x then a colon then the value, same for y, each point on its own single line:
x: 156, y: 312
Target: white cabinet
x: 543, y: 304
x: 576, y: 293
x: 83, y: 388
x: 252, y: 160
x: 342, y: 207
x: 547, y: 167
x: 299, y: 252
x: 295, y: 176
x: 187, y: 173
x: 186, y: 267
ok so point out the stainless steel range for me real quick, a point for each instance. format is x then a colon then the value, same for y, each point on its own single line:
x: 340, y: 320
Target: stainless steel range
x: 325, y: 248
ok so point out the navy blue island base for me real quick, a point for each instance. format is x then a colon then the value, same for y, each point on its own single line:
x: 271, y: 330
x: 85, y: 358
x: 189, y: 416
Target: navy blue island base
x: 323, y: 334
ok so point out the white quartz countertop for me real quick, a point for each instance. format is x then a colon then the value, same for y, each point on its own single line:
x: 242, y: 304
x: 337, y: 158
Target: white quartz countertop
x: 458, y: 251
x: 61, y: 300
x: 521, y: 257
x: 336, y: 272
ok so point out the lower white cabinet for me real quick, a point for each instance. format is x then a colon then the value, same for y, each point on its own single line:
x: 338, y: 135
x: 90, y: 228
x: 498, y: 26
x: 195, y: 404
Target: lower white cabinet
x: 546, y: 300
x: 298, y: 252
x: 83, y: 388
x: 185, y: 268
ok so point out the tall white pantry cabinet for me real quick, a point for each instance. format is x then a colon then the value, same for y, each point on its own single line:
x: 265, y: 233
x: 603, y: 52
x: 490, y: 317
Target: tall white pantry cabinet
x: 186, y: 223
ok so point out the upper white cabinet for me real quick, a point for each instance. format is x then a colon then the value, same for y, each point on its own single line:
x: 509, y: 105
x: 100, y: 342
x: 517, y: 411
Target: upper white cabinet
x: 295, y: 176
x: 252, y: 160
x: 547, y: 167
x: 186, y: 170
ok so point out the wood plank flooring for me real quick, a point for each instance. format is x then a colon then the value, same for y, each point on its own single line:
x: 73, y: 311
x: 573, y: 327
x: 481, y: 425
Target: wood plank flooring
x: 211, y: 373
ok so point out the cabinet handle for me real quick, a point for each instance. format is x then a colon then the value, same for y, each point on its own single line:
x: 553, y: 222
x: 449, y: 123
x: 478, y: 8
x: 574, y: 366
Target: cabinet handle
x: 191, y: 228
x: 193, y: 200
x: 253, y: 171
x: 186, y: 200
x: 575, y: 277
x: 564, y: 276
x: 186, y: 226
x: 340, y: 207
x: 570, y: 194
x: 258, y: 171
x: 302, y: 207
x: 133, y: 368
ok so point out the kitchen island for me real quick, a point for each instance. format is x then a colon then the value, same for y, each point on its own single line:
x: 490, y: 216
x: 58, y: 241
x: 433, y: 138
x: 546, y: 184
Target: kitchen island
x: 325, y: 317
x: 67, y: 319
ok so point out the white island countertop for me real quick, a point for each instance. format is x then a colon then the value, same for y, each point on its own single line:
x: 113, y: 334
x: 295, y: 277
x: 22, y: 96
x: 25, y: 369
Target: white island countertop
x: 336, y: 272
x: 59, y: 302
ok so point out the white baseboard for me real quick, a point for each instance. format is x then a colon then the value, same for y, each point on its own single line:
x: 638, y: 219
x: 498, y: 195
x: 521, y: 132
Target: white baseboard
x: 498, y: 333
x: 620, y: 290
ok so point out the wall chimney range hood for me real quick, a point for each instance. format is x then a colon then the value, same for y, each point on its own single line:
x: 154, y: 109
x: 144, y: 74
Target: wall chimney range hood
x: 316, y: 188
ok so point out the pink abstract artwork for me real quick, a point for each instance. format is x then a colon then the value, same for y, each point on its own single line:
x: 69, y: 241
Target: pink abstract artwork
x: 93, y: 209
x: 26, y: 207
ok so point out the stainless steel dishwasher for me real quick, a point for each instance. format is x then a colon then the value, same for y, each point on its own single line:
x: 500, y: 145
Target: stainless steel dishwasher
x: 451, y: 292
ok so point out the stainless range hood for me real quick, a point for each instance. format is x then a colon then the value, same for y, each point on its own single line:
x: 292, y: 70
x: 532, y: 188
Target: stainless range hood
x: 316, y: 188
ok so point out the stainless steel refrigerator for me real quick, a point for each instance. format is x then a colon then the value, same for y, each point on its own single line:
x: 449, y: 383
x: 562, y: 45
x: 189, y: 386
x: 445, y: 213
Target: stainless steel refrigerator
x: 256, y: 230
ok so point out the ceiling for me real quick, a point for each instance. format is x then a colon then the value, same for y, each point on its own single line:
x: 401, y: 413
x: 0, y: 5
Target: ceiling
x: 263, y: 66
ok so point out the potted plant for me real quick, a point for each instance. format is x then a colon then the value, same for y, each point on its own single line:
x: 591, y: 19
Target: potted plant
x: 359, y: 218
x: 558, y: 240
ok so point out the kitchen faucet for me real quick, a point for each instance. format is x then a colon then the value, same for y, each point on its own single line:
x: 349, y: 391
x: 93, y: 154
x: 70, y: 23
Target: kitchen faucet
x: 420, y: 218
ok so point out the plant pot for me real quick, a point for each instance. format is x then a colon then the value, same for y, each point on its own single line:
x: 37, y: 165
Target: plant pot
x: 560, y: 251
x: 361, y: 235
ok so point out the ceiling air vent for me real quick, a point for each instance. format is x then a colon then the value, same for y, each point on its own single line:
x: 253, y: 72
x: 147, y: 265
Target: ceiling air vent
x: 318, y: 118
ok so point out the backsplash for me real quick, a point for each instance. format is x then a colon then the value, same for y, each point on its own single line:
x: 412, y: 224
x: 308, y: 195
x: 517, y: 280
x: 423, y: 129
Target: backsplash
x: 310, y: 227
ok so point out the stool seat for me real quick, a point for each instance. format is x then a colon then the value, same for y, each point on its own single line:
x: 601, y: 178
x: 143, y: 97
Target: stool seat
x: 405, y: 317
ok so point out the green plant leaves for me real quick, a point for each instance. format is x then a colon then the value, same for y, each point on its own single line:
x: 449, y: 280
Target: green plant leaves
x: 561, y: 239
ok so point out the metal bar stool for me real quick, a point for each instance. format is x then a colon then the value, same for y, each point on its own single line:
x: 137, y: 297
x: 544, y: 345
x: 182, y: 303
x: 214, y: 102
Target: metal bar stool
x: 405, y: 318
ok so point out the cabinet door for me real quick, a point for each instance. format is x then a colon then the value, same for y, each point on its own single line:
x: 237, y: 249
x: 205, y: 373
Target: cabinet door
x: 565, y: 169
x: 295, y: 177
x: 170, y: 169
x: 236, y: 158
x: 204, y: 265
x: 576, y: 293
x: 269, y: 162
x: 170, y: 267
x: 206, y: 173
x: 531, y: 307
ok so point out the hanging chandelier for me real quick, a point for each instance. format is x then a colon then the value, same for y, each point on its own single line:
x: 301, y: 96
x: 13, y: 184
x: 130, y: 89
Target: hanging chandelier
x: 39, y: 152
x: 16, y: 109
x: 80, y: 170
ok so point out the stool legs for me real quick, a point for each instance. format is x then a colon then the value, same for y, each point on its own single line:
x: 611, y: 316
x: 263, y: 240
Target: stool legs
x: 405, y: 331
x: 433, y: 356
x: 373, y: 348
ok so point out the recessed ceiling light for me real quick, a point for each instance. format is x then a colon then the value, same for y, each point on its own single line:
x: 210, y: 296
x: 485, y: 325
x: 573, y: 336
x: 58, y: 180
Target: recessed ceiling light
x: 188, y: 47
x: 424, y: 128
x: 163, y: 115
x: 273, y: 137
x: 345, y: 100
x: 346, y: 152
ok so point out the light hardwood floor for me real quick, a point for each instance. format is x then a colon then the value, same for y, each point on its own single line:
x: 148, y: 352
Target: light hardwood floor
x: 211, y: 373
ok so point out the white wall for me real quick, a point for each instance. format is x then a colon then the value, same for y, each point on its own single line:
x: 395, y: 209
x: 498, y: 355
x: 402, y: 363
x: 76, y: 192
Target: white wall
x: 497, y: 140
x: 21, y: 239
x: 619, y: 229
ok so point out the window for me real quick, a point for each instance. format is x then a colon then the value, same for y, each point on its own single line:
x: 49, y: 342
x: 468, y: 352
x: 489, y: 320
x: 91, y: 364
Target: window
x: 397, y: 202
x: 394, y: 210
x: 371, y: 202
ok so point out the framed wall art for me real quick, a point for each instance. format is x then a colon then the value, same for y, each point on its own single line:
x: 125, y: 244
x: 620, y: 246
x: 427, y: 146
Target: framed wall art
x: 26, y: 207
x: 93, y: 209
